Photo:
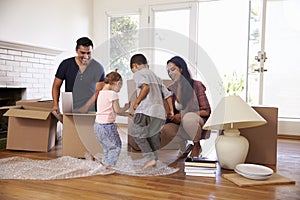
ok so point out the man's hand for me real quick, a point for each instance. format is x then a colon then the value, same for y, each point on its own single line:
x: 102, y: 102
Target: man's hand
x: 56, y: 109
x: 84, y: 109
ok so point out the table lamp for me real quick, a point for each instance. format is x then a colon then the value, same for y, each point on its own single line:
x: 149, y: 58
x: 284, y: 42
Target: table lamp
x: 231, y: 114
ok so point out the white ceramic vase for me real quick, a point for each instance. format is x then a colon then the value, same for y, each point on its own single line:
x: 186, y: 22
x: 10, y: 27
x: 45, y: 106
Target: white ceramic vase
x: 231, y: 148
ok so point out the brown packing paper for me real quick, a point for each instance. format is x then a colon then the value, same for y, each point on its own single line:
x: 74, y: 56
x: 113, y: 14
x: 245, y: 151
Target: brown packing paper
x: 243, y: 182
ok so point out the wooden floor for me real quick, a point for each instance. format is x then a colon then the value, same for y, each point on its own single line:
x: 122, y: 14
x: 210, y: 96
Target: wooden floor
x: 175, y: 186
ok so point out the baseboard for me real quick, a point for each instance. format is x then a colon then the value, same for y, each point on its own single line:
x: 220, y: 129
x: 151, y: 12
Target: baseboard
x: 290, y: 127
x: 291, y: 137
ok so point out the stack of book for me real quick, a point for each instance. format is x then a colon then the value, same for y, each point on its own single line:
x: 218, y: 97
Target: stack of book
x: 200, y: 166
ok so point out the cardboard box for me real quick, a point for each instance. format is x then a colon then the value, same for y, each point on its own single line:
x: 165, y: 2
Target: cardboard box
x: 31, y: 128
x: 78, y: 136
x: 263, y: 139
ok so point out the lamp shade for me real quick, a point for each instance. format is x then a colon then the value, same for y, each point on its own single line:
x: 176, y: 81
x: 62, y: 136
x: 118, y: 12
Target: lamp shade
x: 233, y: 113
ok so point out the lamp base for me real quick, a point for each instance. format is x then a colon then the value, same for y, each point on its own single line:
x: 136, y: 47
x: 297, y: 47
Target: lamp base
x: 231, y: 148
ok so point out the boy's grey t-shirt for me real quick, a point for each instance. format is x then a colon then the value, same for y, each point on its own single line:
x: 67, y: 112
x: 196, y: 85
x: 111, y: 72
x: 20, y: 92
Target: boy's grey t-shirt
x: 152, y: 105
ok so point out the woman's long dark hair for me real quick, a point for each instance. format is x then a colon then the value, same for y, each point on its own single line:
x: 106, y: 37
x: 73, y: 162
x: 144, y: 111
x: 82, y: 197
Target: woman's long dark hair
x: 187, y: 83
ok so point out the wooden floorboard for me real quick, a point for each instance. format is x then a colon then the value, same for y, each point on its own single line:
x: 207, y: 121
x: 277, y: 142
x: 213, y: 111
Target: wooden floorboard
x: 174, y: 186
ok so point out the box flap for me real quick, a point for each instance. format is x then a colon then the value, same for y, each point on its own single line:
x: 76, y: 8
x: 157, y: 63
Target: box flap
x: 9, y: 107
x: 30, y: 114
x: 36, y: 108
x: 81, y: 114
x: 28, y: 100
x: 36, y: 103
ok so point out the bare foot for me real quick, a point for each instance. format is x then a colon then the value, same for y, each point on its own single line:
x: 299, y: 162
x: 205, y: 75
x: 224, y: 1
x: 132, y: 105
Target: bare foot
x: 196, y: 150
x: 150, y: 163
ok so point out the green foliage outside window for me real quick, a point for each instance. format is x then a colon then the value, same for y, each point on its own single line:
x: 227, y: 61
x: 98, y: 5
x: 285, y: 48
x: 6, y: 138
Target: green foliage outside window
x: 123, y: 34
x: 234, y: 84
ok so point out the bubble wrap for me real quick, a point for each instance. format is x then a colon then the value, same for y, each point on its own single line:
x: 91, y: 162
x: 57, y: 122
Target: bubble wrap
x: 69, y: 167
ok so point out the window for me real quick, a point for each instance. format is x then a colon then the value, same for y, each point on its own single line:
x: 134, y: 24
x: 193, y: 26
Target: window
x: 123, y: 39
x: 123, y: 32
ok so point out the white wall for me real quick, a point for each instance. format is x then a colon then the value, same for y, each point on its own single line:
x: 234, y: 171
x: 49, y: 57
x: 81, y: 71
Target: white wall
x: 47, y: 23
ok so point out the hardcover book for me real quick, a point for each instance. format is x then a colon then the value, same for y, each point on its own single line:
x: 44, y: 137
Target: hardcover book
x: 200, y: 174
x: 201, y: 162
x: 206, y: 170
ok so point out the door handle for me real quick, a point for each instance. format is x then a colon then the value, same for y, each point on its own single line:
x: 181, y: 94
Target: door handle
x: 261, y: 69
x: 261, y: 56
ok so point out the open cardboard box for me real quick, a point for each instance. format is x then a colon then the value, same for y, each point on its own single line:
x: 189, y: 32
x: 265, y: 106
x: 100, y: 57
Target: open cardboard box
x: 31, y: 126
x: 78, y: 135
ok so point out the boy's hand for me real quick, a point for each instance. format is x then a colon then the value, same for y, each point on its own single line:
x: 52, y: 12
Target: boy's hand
x: 135, y: 106
x: 131, y: 115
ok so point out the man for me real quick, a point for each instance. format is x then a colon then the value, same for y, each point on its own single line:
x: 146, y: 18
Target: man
x: 83, y: 77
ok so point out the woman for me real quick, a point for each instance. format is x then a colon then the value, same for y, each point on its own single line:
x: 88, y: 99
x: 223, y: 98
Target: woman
x: 192, y: 108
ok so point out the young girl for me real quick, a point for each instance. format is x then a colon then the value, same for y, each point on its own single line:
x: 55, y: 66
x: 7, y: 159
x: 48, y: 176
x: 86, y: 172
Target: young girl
x: 105, y: 128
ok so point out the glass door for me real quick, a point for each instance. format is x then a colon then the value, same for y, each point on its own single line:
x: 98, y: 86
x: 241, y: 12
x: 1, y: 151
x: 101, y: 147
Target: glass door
x: 257, y: 55
x: 274, y: 61
x: 282, y: 45
x: 223, y: 35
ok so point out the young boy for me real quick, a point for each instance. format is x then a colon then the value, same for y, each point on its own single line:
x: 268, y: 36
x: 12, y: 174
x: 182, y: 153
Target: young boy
x: 149, y: 115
